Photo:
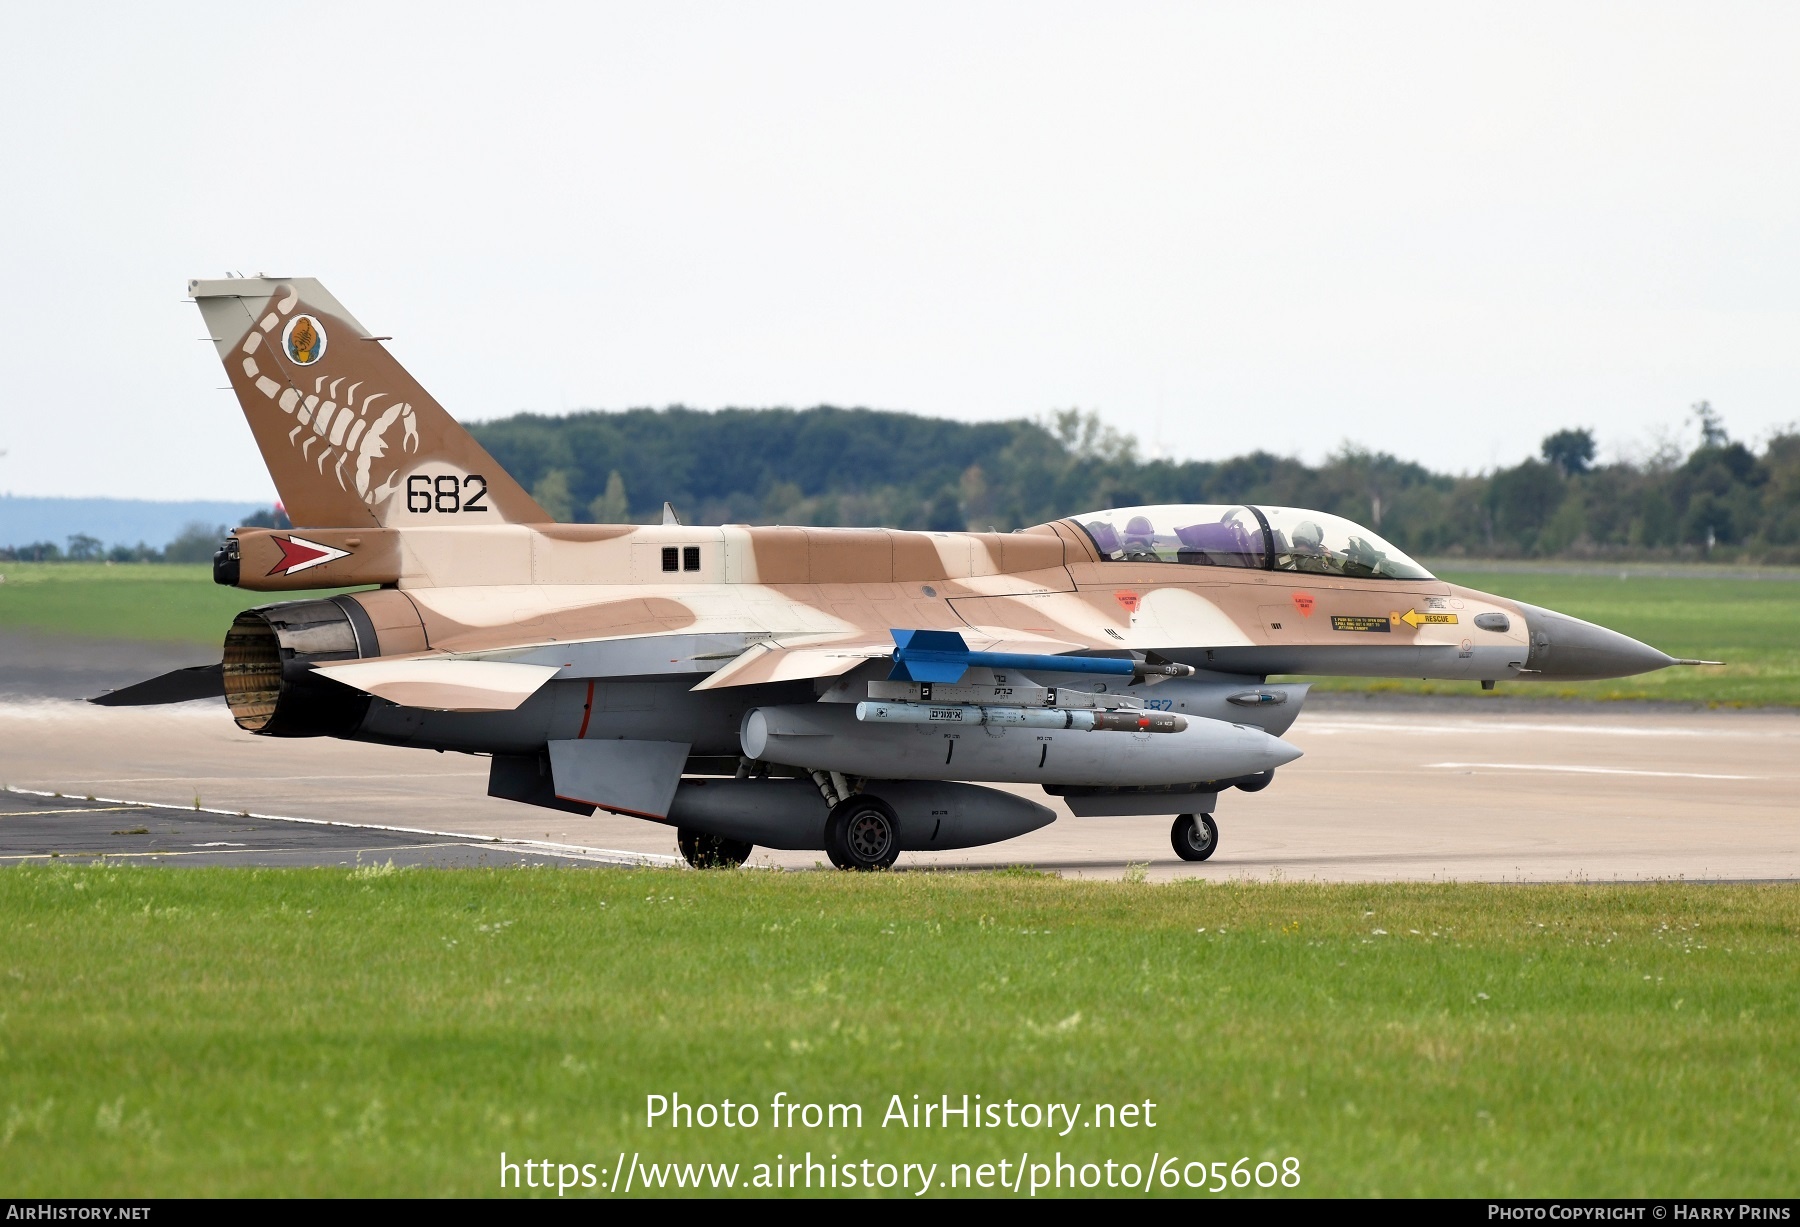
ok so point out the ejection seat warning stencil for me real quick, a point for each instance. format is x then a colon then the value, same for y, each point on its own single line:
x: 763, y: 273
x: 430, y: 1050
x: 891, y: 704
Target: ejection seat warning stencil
x: 1360, y: 622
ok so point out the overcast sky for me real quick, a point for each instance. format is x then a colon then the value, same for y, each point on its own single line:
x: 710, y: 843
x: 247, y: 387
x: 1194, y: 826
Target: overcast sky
x: 1437, y: 230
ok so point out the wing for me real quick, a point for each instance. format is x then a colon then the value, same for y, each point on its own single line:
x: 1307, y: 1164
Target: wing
x: 772, y: 661
x: 769, y: 661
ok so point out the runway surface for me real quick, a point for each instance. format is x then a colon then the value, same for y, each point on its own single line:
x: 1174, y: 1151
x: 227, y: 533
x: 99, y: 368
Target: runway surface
x: 1482, y: 792
x: 36, y: 827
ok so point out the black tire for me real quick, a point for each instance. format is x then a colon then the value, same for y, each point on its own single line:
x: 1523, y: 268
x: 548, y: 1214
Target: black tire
x: 863, y: 834
x: 704, y: 851
x: 1257, y: 782
x: 1195, y: 837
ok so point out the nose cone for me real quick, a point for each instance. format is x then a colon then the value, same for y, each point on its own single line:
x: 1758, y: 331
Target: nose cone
x: 1262, y: 752
x: 1221, y: 750
x: 1569, y: 649
x: 1280, y: 753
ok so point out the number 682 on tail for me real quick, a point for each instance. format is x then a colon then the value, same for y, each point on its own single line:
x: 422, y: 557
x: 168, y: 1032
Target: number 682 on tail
x: 446, y: 492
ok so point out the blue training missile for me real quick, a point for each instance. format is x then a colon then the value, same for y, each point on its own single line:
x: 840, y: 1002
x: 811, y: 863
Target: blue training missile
x: 943, y: 656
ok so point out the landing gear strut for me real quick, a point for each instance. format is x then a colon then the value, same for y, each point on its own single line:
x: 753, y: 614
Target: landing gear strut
x: 1195, y: 836
x: 704, y: 851
x: 862, y: 834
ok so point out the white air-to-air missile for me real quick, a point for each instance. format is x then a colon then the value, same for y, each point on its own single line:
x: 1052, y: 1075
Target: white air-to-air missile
x: 815, y: 688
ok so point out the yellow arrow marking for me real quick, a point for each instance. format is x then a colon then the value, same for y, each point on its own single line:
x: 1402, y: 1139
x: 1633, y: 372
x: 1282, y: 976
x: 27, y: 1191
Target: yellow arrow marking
x: 1415, y: 619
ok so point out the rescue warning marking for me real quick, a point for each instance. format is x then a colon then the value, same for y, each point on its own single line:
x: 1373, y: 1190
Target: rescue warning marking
x: 1360, y: 622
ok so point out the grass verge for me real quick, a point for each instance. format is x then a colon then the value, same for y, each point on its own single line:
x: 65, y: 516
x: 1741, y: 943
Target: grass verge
x: 306, y: 1032
x: 175, y: 603
x: 1751, y: 625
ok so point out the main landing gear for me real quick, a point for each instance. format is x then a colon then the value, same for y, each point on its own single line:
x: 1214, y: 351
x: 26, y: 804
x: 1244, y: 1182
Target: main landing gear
x: 1195, y: 836
x: 862, y: 834
x: 704, y: 851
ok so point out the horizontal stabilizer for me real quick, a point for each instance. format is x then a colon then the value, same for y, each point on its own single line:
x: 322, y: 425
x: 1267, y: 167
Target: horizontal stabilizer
x: 437, y: 684
x: 181, y: 686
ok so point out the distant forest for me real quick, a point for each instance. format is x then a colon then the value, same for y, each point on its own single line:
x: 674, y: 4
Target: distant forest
x: 1721, y: 499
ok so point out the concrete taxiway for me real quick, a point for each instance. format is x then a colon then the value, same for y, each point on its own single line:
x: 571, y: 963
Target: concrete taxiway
x: 1476, y: 791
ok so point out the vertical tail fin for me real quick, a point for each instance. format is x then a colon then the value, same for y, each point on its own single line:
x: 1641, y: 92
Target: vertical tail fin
x: 349, y: 437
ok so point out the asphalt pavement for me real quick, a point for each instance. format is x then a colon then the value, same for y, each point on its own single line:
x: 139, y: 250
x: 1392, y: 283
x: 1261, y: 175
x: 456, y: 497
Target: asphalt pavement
x: 1476, y: 790
x: 45, y: 829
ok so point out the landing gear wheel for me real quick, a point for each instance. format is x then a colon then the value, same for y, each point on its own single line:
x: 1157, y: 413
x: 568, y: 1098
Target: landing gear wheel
x: 704, y: 851
x: 1195, y: 836
x: 862, y: 833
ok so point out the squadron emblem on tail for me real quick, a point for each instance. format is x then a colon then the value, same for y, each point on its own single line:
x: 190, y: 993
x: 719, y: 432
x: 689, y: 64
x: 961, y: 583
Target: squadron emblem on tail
x: 304, y: 340
x: 341, y: 424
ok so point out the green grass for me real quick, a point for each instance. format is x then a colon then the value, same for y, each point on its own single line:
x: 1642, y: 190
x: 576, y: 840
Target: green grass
x: 1752, y: 625
x: 306, y: 1032
x: 169, y: 602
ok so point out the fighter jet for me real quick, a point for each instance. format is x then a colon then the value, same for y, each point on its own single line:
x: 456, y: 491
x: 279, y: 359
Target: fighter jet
x: 850, y: 690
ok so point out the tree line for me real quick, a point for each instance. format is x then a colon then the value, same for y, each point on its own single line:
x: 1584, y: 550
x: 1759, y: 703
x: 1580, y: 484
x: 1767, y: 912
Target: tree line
x: 195, y: 543
x: 1719, y: 498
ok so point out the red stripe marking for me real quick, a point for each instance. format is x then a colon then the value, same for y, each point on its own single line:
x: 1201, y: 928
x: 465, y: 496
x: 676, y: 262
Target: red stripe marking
x: 613, y: 809
x: 293, y: 553
x: 587, y: 713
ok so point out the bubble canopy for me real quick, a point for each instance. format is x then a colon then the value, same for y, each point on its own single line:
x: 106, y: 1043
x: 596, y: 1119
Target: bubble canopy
x: 1251, y: 537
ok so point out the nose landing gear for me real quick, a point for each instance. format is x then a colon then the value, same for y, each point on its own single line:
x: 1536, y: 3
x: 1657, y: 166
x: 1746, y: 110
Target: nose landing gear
x: 1195, y: 836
